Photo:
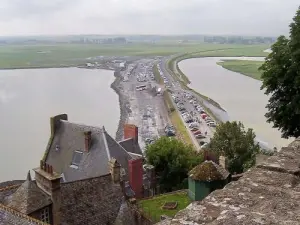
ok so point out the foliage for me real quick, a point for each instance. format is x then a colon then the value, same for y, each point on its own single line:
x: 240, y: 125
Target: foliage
x: 238, y: 145
x: 172, y: 160
x: 281, y: 80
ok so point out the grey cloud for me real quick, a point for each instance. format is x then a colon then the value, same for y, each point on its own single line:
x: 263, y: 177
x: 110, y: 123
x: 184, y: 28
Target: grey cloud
x: 250, y: 17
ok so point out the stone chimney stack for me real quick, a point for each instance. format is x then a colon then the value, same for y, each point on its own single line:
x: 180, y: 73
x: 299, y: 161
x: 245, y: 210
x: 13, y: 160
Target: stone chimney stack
x: 55, y: 122
x: 131, y: 131
x: 223, y: 162
x: 115, y: 170
x: 87, y: 140
x: 135, y: 173
x: 49, y: 182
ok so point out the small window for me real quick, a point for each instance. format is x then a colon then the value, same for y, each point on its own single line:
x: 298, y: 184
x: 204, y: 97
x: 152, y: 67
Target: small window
x: 45, y: 215
x: 77, y: 157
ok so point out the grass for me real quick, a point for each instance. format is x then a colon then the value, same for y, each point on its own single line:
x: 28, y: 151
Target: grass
x: 181, y: 131
x: 157, y: 76
x: 153, y: 206
x: 33, y: 56
x: 245, y: 67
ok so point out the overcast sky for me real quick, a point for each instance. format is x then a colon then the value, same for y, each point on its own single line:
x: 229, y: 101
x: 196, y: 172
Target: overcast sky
x: 245, y: 17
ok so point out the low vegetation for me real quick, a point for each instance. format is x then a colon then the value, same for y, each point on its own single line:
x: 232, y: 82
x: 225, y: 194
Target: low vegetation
x: 245, y: 67
x: 153, y: 207
x: 172, y: 160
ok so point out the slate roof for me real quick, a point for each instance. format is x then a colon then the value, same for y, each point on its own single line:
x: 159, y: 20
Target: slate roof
x: 208, y: 171
x: 130, y: 145
x: 28, y: 197
x: 7, y: 191
x: 267, y: 194
x: 69, y: 137
x: 11, y: 183
x: 9, y: 216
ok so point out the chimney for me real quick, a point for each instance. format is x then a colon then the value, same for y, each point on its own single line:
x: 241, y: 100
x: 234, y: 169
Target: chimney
x: 55, y: 122
x: 135, y: 171
x: 114, y: 169
x: 223, y: 162
x: 49, y: 182
x: 131, y: 131
x: 87, y: 140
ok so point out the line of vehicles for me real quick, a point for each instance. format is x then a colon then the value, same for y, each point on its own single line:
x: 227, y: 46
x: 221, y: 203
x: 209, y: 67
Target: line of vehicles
x: 165, y: 79
x: 191, y: 118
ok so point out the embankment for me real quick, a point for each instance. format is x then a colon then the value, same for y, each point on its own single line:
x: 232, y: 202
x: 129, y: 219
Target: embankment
x: 123, y: 104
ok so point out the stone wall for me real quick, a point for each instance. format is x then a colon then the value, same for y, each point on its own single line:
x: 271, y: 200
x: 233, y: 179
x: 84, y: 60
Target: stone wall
x: 266, y: 194
x: 93, y: 201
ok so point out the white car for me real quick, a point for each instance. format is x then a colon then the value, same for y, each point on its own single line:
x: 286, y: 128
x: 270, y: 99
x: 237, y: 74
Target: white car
x: 204, y: 145
x: 192, y: 125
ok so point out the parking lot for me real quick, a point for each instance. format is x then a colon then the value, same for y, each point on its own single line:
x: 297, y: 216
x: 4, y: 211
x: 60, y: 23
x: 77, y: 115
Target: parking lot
x: 199, y: 124
x: 147, y: 107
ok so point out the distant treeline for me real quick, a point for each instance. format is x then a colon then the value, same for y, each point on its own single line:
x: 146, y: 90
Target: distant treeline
x: 105, y: 39
x: 239, y: 40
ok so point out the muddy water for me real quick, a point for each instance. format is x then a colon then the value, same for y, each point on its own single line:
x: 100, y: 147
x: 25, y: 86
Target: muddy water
x: 239, y: 95
x: 28, y: 98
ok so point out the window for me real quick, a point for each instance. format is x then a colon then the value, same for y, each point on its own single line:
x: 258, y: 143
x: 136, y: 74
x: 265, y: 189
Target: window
x: 77, y: 156
x: 45, y: 215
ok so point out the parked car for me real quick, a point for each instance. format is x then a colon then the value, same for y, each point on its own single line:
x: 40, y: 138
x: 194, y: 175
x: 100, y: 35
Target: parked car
x: 194, y: 124
x: 170, y: 130
x: 199, y: 136
x: 197, y: 132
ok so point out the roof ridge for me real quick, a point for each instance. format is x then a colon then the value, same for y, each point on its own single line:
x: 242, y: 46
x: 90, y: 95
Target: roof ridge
x: 19, y: 214
x: 117, y: 143
x: 82, y: 124
x: 10, y: 187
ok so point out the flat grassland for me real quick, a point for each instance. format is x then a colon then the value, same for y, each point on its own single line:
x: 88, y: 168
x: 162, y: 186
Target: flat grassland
x: 245, y: 67
x: 59, y: 55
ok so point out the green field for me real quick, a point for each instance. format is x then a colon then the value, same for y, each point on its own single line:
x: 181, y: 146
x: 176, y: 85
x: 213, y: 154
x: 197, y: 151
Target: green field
x: 246, y: 67
x: 153, y: 207
x: 31, y: 56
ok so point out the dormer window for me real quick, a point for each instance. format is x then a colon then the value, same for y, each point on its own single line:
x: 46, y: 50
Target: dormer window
x: 57, y: 148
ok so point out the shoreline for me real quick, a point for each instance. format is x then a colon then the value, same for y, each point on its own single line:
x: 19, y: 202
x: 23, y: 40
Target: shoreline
x: 57, y: 67
x: 123, y: 105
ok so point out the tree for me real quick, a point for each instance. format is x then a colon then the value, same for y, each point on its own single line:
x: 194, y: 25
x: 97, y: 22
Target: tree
x: 237, y: 145
x: 281, y: 80
x: 172, y: 160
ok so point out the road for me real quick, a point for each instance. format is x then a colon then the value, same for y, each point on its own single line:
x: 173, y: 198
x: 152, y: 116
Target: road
x: 176, y: 88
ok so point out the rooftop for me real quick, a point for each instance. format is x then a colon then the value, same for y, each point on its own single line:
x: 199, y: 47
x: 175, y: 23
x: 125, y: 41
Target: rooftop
x: 10, y: 216
x: 208, y: 171
x: 266, y: 194
x: 28, y: 197
x: 67, y: 154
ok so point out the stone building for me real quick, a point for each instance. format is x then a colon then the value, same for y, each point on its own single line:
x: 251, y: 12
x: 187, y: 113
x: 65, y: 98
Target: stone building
x: 206, y: 178
x: 266, y: 194
x: 78, y: 151
x: 82, y: 179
